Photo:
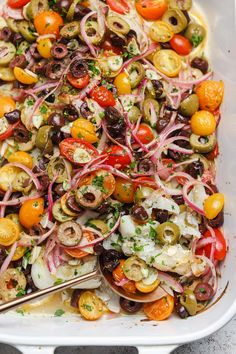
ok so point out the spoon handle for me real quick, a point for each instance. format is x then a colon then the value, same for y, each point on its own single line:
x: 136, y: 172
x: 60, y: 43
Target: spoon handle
x: 9, y: 305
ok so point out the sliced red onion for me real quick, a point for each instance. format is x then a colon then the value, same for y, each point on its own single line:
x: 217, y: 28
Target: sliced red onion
x: 50, y: 263
x: 213, y: 245
x: 84, y: 34
x: 213, y: 271
x: 40, y: 88
x: 186, y: 188
x: 122, y: 282
x: 167, y: 289
x: 180, y: 174
x: 50, y: 198
x: 102, y: 142
x: 204, y: 242
x: 21, y: 199
x: 8, y: 260
x: 179, y: 149
x: 16, y: 14
x: 44, y: 236
x: 56, y: 256
x: 5, y: 199
x: 170, y: 281
x: 29, y: 172
x: 4, y: 52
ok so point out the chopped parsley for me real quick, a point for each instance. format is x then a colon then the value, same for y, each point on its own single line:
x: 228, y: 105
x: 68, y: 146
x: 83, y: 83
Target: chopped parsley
x: 21, y: 292
x: 152, y: 233
x: 43, y: 109
x: 20, y: 311
x: 59, y: 313
x: 87, y: 307
x: 196, y: 40
x: 98, y: 181
x: 26, y: 258
x: 93, y: 68
x: 58, y: 281
x: 30, y: 103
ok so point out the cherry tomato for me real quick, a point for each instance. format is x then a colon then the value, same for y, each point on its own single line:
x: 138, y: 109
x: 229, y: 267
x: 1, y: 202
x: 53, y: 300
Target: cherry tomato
x: 21, y: 157
x: 117, y: 157
x: 120, y: 6
x: 48, y: 22
x: 144, y: 288
x: 103, y: 96
x: 145, y: 133
x: 181, y: 44
x: 77, y: 151
x: 213, y: 205
x: 210, y: 94
x: 124, y: 191
x: 25, y: 77
x: 118, y: 276
x: 203, y: 123
x: 151, y: 9
x: 221, y: 247
x: 168, y: 168
x: 78, y: 83
x: 44, y: 47
x: 123, y: 84
x: 159, y: 310
x: 31, y: 212
x: 103, y: 179
x: 17, y: 4
x: 85, y: 130
x: 214, y: 153
x: 9, y: 131
x: 108, y: 47
x: 9, y: 232
x: 77, y: 253
x: 7, y: 104
x: 168, y: 62
x: 90, y: 306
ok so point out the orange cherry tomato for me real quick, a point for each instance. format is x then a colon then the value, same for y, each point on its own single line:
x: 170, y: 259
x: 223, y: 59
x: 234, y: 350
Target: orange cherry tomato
x: 31, y: 212
x: 122, y: 83
x: 145, y: 133
x: 118, y: 276
x: 159, y: 310
x: 21, y: 157
x: 210, y: 94
x: 181, y: 44
x: 77, y: 253
x: 78, y: 83
x: 7, y: 104
x: 48, y: 22
x: 104, y: 180
x: 124, y: 191
x: 151, y: 9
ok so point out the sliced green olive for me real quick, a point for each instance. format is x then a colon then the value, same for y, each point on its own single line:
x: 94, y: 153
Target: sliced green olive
x: 133, y: 47
x: 189, y: 105
x: 151, y: 109
x: 99, y: 225
x: 21, y: 182
x: 92, y: 31
x: 8, y: 51
x: 184, y: 5
x: 71, y: 11
x: 70, y: 30
x: 135, y: 269
x: 195, y: 33
x: 168, y: 233
x: 58, y: 165
x: 35, y: 7
x: 118, y: 25
x: 27, y: 30
x: 176, y: 19
x: 203, y: 144
x: 59, y: 214
x: 23, y: 46
x: 142, y: 193
x: 43, y: 136
x: 12, y: 24
x: 136, y: 73
x: 30, y: 144
x: 134, y: 114
x: 188, y: 300
x: 6, y: 74
x: 89, y: 197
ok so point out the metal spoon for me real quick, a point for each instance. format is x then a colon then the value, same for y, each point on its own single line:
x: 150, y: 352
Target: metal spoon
x: 97, y: 272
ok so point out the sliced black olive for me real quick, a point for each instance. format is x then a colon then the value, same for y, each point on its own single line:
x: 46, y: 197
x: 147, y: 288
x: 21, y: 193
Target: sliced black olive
x: 201, y: 64
x: 178, y: 199
x: 85, y: 111
x: 158, y: 87
x: 57, y: 136
x: 80, y: 11
x: 17, y: 39
x: 19, y: 60
x: 110, y: 259
x: 145, y: 165
x: 13, y: 116
x: 59, y: 51
x: 21, y: 134
x: 70, y: 112
x: 79, y: 68
x: 112, y: 115
x: 70, y: 233
x: 105, y: 208
x: 75, y: 297
x: 160, y: 215
x: 203, y: 292
x: 130, y: 306
x: 162, y: 123
x: 44, y: 181
x: 139, y: 214
x: 36, y: 230
x: 117, y: 40
x: 6, y: 34
x: 218, y: 221
x: 195, y: 169
x: 73, y: 205
x: 181, y: 311
x: 59, y: 189
x: 56, y: 119
x: 54, y: 70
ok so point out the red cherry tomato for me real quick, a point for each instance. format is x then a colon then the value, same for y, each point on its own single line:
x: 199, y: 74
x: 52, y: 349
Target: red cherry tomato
x: 78, y: 83
x: 108, y: 47
x: 168, y: 168
x: 214, y: 153
x: 145, y: 133
x: 77, y: 151
x: 17, y: 4
x: 9, y: 131
x: 103, y: 96
x: 181, y: 44
x: 221, y: 247
x: 120, y: 6
x: 117, y: 157
x: 144, y: 182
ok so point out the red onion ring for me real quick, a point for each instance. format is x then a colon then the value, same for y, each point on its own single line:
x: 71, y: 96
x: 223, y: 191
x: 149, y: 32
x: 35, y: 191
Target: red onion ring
x: 186, y: 188
x: 170, y: 281
x: 7, y: 261
x: 21, y: 200
x: 29, y: 172
x: 84, y: 34
x: 5, y: 199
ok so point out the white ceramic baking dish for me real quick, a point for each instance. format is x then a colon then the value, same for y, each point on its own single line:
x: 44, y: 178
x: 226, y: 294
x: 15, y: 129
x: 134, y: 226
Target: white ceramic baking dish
x: 37, y: 334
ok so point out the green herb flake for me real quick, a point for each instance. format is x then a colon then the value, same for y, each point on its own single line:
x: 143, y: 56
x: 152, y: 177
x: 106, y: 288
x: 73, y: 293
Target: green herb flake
x: 21, y: 292
x: 58, y: 281
x: 20, y: 311
x: 59, y: 313
x: 196, y: 40
x: 88, y: 307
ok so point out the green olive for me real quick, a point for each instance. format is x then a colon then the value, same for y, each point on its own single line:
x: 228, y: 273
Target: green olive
x: 136, y: 73
x: 184, y: 5
x: 99, y: 225
x: 176, y: 19
x: 118, y: 25
x: 134, y: 114
x: 21, y: 182
x: 9, y: 51
x: 59, y: 214
x: 57, y: 165
x: 133, y: 47
x: 189, y: 105
x: 6, y: 74
x: 70, y: 30
x: 89, y: 197
x: 71, y: 11
x: 195, y: 33
x: 35, y: 7
x: 203, y: 144
x: 150, y: 105
x: 188, y: 300
x: 168, y: 233
x: 27, y: 30
x: 135, y: 269
x: 43, y: 136
x: 142, y: 193
x: 12, y: 24
x: 92, y: 31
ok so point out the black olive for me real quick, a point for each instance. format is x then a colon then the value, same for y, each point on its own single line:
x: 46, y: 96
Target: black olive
x: 186, y: 14
x: 44, y: 181
x: 17, y: 38
x: 70, y: 112
x: 54, y: 70
x: 201, y: 64
x: 57, y: 136
x: 139, y: 214
x: 131, y: 34
x: 75, y: 297
x: 218, y: 221
x: 166, y: 45
x: 59, y: 51
x: 73, y: 205
x: 195, y: 169
x: 6, y: 34
x: 158, y: 87
x: 51, y: 98
x: 130, y: 306
x: 110, y: 259
x: 112, y: 115
x: 145, y: 165
x: 41, y: 165
x: 19, y: 60
x: 79, y: 68
x: 34, y: 52
x: 98, y: 249
x: 62, y: 5
x: 181, y: 119
x: 105, y: 208
x: 178, y: 199
x: 56, y: 119
x: 202, y: 227
x: 181, y: 311
x: 162, y: 123
x: 13, y: 116
x: 36, y: 230
x: 40, y: 68
x: 59, y: 190
x: 213, y: 187
x: 203, y: 292
x: 160, y: 215
x: 12, y: 209
x: 173, y: 21
x: 80, y: 11
x: 21, y: 134
x: 85, y: 111
x: 116, y: 129
x: 117, y: 41
x: 3, y: 255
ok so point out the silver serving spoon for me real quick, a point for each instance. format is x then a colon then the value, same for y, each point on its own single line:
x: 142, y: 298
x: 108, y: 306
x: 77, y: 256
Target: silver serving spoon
x: 97, y: 272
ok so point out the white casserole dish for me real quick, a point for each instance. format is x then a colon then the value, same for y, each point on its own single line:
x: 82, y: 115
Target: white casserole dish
x: 31, y: 332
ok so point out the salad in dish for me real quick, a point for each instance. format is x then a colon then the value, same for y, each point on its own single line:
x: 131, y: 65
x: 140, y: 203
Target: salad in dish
x: 108, y: 119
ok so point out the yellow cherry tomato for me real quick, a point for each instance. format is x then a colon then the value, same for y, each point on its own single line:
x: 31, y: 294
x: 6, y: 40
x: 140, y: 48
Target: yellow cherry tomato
x: 90, y: 306
x: 44, y: 48
x: 31, y: 212
x: 161, y: 31
x: 168, y: 62
x: 7, y: 176
x: 124, y: 191
x: 84, y: 129
x: 213, y: 205
x: 22, y: 157
x: 203, y: 123
x: 15, y: 218
x: 9, y: 232
x: 19, y: 253
x: 144, y: 288
x: 7, y: 104
x: 123, y: 84
x: 25, y: 76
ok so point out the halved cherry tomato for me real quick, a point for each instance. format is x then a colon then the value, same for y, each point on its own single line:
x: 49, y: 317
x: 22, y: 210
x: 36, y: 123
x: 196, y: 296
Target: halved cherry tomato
x: 77, y: 253
x: 7, y: 104
x: 16, y: 4
x: 21, y: 157
x: 117, y: 157
x: 103, y: 96
x: 77, y: 151
x: 120, y: 6
x: 213, y: 205
x: 144, y: 182
x: 48, y: 22
x: 9, y: 131
x: 151, y: 9
x: 78, y: 83
x: 118, y: 276
x: 102, y: 179
x: 108, y: 47
x: 145, y: 133
x: 122, y: 83
x: 85, y: 130
x: 220, y: 247
x: 124, y: 191
x: 159, y: 310
x: 44, y: 47
x: 181, y: 44
x: 31, y: 212
x: 9, y: 232
x: 26, y: 77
